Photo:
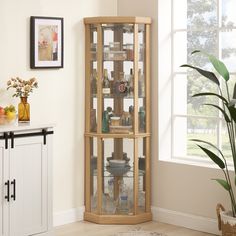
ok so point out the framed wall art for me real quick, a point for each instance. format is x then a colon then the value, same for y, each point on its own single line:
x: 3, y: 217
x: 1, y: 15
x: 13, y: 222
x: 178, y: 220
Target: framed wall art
x: 46, y: 42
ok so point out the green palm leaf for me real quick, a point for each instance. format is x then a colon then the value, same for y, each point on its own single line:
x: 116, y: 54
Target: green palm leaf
x: 208, y: 74
x: 218, y: 65
x: 232, y: 111
x: 227, y: 119
x: 234, y: 94
x: 210, y: 144
x: 223, y: 183
x: 213, y: 157
x: 211, y: 94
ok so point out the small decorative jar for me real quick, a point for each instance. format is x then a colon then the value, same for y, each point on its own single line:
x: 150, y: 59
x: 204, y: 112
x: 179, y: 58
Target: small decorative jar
x: 23, y: 110
x: 115, y: 121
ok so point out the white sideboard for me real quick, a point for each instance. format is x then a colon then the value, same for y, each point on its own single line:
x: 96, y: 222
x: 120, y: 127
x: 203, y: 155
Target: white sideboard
x: 26, y: 180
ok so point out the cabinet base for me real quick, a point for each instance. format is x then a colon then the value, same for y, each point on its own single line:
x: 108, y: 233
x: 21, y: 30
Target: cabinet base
x: 118, y: 219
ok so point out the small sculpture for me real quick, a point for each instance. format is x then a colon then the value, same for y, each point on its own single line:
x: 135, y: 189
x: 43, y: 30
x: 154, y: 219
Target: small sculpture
x: 106, y: 115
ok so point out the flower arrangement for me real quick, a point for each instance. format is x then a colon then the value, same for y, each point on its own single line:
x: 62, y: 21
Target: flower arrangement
x: 23, y: 87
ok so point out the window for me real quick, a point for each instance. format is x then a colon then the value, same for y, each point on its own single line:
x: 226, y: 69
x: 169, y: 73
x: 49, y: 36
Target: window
x: 208, y: 25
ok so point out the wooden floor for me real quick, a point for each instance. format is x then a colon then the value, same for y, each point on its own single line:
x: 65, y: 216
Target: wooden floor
x: 90, y: 229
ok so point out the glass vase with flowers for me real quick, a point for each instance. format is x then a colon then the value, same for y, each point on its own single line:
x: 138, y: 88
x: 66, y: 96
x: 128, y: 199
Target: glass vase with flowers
x: 23, y: 88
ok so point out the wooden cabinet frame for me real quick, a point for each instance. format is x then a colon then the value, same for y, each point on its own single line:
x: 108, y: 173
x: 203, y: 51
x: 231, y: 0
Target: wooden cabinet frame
x: 99, y: 136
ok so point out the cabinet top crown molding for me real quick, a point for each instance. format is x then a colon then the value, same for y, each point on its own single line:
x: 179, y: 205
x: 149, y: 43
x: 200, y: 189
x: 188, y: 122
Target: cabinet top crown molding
x: 117, y: 19
x: 24, y: 127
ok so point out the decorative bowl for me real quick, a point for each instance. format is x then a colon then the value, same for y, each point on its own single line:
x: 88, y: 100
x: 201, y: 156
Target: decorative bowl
x: 118, y: 171
x: 126, y: 159
x: 117, y: 163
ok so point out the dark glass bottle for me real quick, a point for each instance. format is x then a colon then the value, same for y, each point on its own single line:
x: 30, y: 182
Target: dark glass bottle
x: 94, y: 79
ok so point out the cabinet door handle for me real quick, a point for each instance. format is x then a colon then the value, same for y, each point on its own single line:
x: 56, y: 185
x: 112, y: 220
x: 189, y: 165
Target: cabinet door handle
x: 8, y: 190
x: 13, y: 196
x: 12, y: 139
x: 5, y: 135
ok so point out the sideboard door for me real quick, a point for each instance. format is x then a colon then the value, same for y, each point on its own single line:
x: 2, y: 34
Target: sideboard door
x: 4, y: 178
x: 28, y: 177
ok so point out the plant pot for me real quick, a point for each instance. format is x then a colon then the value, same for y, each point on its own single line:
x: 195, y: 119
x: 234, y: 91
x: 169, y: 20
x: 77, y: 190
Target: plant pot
x: 226, y: 222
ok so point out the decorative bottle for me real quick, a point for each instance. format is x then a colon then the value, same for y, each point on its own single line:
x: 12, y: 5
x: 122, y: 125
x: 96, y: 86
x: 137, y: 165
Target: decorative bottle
x: 121, y: 88
x: 131, y: 83
x: 94, y: 82
x: 23, y: 110
x: 106, y: 90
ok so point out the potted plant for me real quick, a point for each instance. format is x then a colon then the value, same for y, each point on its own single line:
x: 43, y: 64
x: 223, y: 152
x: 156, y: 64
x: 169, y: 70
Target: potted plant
x: 226, y: 220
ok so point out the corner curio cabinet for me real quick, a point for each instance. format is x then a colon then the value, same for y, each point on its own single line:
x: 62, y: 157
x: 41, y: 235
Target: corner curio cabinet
x: 117, y: 122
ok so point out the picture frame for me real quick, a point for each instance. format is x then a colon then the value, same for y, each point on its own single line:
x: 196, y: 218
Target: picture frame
x: 46, y: 42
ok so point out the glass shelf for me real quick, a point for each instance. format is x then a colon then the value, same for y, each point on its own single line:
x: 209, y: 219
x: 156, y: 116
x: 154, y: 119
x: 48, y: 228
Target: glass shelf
x: 129, y: 174
x: 117, y: 96
x: 94, y: 58
x: 128, y: 61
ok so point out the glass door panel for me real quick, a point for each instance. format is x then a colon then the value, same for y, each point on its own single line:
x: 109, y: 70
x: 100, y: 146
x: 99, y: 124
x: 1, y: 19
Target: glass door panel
x: 93, y: 174
x: 142, y: 174
x: 93, y: 79
x: 141, y: 78
x: 118, y: 176
x: 117, y: 81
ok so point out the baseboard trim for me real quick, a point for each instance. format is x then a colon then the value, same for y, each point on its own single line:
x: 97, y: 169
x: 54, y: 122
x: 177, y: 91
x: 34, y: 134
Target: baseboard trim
x: 193, y: 222
x: 68, y: 216
x: 189, y: 221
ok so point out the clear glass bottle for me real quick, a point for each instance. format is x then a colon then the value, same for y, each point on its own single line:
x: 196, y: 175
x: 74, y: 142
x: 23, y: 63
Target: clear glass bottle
x: 106, y: 90
x: 23, y: 110
x: 112, y: 82
x: 123, y: 198
x: 111, y: 188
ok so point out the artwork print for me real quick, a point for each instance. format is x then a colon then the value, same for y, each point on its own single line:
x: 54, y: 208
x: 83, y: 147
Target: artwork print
x: 46, y: 42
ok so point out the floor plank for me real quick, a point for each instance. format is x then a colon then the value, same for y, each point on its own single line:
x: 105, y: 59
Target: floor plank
x: 90, y: 229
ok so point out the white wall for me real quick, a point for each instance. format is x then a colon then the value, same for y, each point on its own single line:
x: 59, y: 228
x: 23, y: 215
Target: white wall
x: 177, y: 187
x: 60, y: 96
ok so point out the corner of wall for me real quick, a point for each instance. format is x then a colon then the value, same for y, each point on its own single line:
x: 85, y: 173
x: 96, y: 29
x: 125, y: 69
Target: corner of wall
x: 117, y: 7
